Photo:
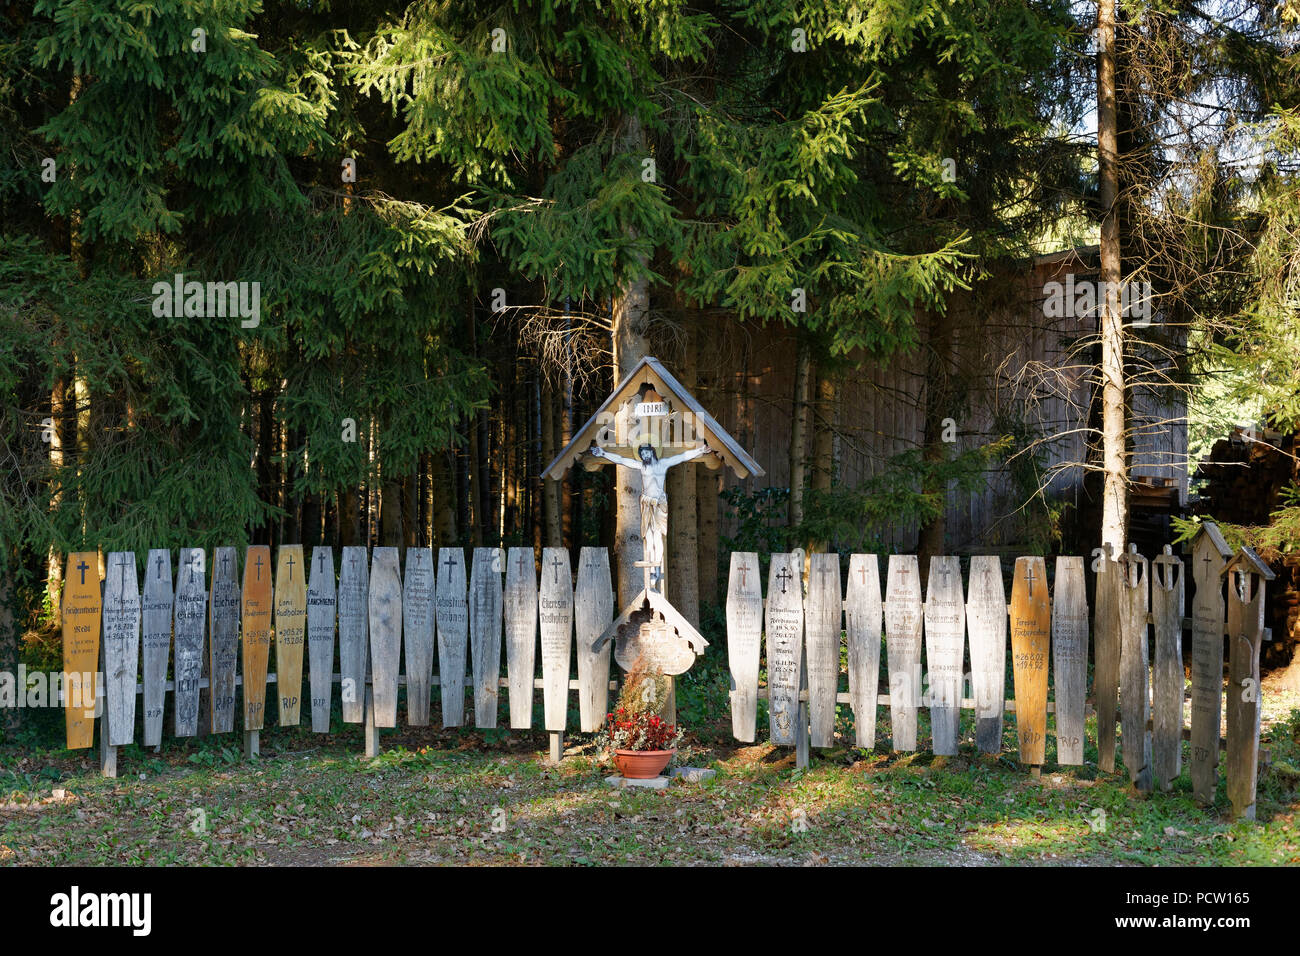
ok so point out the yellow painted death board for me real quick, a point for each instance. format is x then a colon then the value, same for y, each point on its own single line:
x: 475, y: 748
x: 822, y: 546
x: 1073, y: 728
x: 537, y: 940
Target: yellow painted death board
x: 256, y: 638
x: 290, y: 631
x: 1031, y: 624
x: 82, y: 609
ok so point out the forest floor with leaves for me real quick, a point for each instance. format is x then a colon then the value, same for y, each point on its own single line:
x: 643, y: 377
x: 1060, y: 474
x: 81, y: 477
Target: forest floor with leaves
x: 490, y: 798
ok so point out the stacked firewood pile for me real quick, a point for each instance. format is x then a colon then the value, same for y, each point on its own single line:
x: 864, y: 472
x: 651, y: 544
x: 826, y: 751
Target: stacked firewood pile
x: 1244, y: 476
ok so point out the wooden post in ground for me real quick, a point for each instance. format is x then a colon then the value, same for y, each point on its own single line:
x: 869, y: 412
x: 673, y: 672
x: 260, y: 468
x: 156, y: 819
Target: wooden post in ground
x: 252, y: 743
x: 557, y: 745
x: 107, y: 752
x: 372, y: 731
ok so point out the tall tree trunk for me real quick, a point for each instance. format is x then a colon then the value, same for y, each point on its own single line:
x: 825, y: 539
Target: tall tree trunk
x: 706, y: 479
x: 551, y: 491
x: 10, y: 717
x: 683, y: 534
x: 58, y: 434
x: 443, y: 492
x: 799, y: 429
x: 823, y: 439
x: 1114, y: 519
x: 349, y: 517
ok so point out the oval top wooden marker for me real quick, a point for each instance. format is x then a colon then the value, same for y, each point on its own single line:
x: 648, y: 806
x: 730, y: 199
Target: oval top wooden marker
x: 82, y: 609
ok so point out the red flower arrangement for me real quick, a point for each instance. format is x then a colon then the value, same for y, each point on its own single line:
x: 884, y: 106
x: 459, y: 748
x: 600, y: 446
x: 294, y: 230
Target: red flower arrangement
x: 628, y: 730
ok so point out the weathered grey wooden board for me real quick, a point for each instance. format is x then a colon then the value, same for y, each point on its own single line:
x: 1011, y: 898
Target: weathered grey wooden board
x: 1167, y: 677
x: 945, y: 650
x: 354, y: 642
x: 121, y: 636
x: 556, y: 617
x: 83, y: 601
x: 903, y: 622
x: 744, y: 641
x: 1134, y: 665
x: 1245, y: 634
x: 593, y: 610
x: 452, y: 615
x: 1070, y: 658
x: 223, y: 632
x: 986, y: 617
x: 521, y: 634
x: 784, y: 646
x: 322, y: 601
x: 1106, y: 652
x: 156, y: 641
x: 1031, y: 629
x: 823, y: 614
x: 290, y: 631
x: 190, y: 612
x: 863, y: 627
x: 385, y: 632
x: 255, y: 633
x: 417, y: 628
x: 1208, y: 610
x: 485, y: 634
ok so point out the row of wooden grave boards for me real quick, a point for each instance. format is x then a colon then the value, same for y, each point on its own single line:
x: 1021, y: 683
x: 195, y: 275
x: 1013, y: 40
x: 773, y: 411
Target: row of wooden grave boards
x: 802, y: 623
x: 461, y: 612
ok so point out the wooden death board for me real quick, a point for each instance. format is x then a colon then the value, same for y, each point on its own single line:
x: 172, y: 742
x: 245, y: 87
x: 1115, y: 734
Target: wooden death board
x: 1031, y: 627
x: 452, y: 616
x: 1070, y: 658
x: 784, y: 646
x: 223, y: 630
x: 986, y: 617
x: 862, y: 628
x: 1167, y: 677
x: 485, y: 608
x: 189, y: 617
x: 945, y: 649
x: 520, y: 614
x: 385, y: 607
x: 156, y: 641
x: 255, y: 638
x: 121, y: 637
x: 354, y: 630
x: 903, y: 647
x: 417, y: 630
x: 322, y: 601
x: 1134, y: 665
x: 1209, y: 555
x: 593, y: 610
x: 822, y: 632
x: 290, y: 631
x: 82, y: 611
x: 555, y: 615
x: 1106, y: 638
x: 1245, y: 634
x: 744, y: 634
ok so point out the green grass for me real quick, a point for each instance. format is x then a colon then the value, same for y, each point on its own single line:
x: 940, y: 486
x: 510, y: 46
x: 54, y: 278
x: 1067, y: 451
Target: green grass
x: 475, y: 797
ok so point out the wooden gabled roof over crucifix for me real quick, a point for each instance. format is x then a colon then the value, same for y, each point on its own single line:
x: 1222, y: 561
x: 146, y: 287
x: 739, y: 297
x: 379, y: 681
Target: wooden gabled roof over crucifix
x: 661, y: 399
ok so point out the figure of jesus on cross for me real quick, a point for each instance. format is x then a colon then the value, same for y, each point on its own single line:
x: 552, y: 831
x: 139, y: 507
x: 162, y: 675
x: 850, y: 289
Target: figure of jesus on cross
x: 654, y: 496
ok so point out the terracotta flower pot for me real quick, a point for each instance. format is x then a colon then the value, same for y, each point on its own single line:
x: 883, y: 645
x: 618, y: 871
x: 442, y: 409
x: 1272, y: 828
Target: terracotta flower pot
x: 641, y: 764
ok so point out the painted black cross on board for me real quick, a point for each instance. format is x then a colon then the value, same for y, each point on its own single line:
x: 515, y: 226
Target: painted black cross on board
x: 290, y: 562
x: 555, y: 565
x: 83, y: 567
x: 450, y: 562
x: 194, y: 560
x: 259, y: 566
x: 520, y: 564
x: 784, y: 576
x: 744, y: 570
x: 320, y: 560
x: 1030, y: 578
x: 158, y: 563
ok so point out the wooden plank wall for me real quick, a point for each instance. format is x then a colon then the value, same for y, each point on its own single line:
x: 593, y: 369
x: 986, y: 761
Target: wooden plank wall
x: 880, y: 413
